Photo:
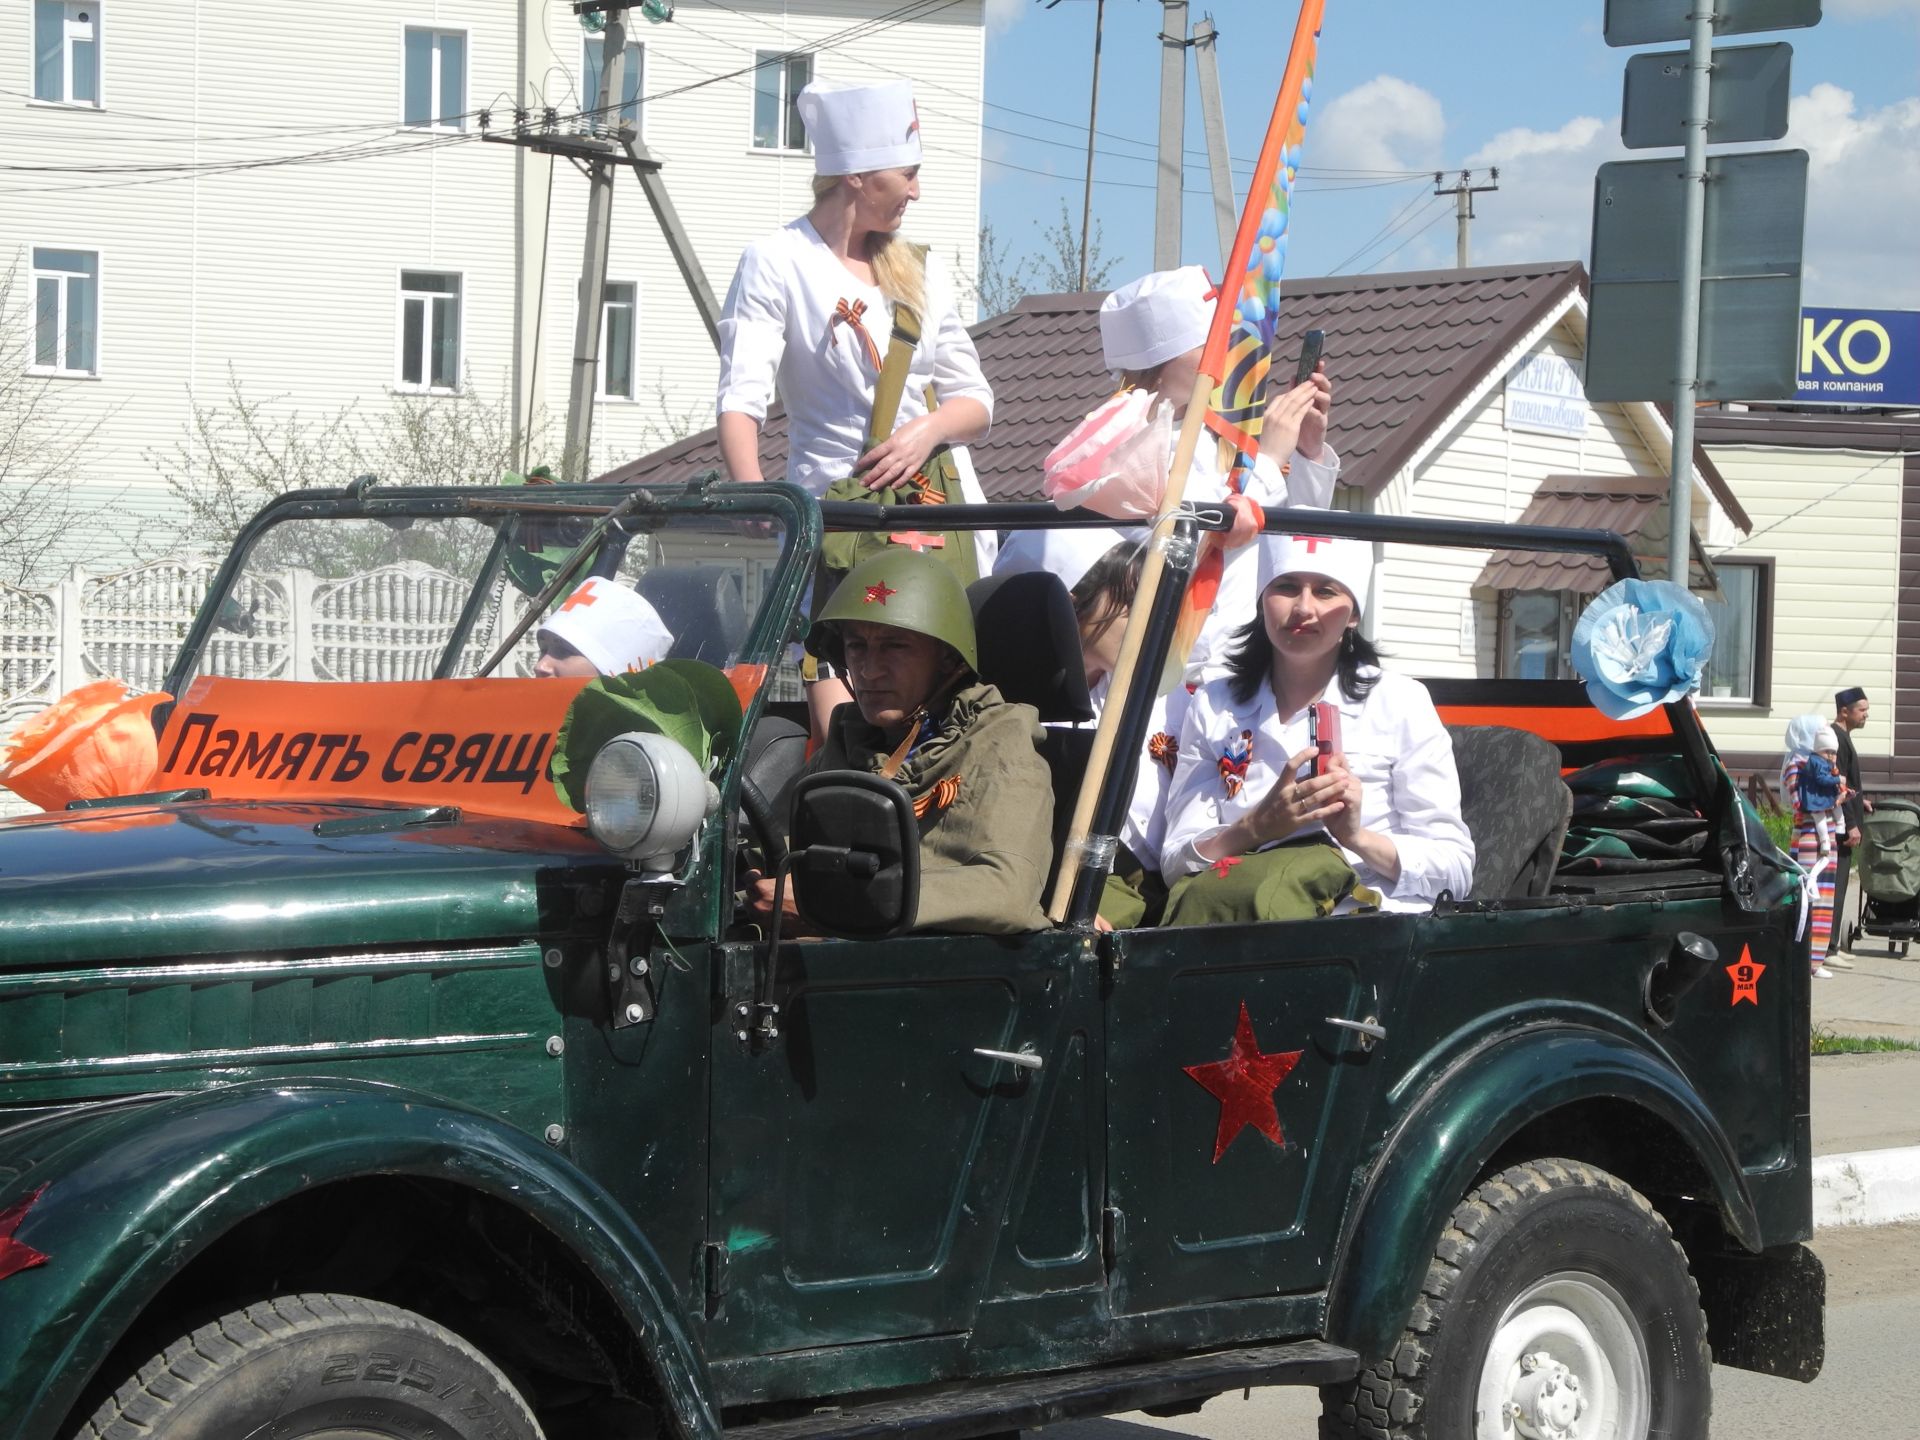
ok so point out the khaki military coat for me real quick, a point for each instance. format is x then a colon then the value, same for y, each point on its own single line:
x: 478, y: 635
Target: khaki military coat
x: 984, y: 798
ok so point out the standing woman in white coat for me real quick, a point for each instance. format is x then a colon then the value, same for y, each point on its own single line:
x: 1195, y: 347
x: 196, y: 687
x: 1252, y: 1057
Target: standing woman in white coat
x: 809, y: 316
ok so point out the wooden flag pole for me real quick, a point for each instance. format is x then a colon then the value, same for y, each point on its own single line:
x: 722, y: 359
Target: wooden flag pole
x: 1127, y: 662
x: 1212, y: 363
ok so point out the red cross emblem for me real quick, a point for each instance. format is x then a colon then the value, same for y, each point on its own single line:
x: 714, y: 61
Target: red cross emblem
x: 879, y: 594
x: 583, y: 596
x: 1313, y: 542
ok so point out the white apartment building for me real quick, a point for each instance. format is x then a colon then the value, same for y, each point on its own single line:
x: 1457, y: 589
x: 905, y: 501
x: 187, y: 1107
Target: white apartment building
x: 301, y: 195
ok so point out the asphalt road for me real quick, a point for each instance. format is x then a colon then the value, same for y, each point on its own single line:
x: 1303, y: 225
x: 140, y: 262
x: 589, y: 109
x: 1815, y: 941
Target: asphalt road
x: 1873, y: 1315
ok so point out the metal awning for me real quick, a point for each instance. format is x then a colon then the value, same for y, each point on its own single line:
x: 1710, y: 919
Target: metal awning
x: 1633, y: 505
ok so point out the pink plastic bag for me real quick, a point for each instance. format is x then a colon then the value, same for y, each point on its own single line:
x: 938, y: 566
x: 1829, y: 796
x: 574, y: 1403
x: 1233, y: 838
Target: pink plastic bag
x: 1114, y: 462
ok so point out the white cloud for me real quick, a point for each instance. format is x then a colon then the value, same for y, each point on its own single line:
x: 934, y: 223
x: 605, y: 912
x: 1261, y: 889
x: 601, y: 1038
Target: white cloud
x: 1543, y: 208
x: 1863, y: 199
x: 1003, y: 14
x: 1385, y: 124
x: 1863, y: 195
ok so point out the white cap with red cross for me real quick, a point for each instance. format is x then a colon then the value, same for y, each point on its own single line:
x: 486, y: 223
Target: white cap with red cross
x: 1347, y: 562
x: 610, y: 625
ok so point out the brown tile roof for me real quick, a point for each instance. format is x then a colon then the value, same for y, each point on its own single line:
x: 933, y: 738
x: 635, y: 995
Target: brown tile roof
x: 1634, y: 506
x: 1403, y: 351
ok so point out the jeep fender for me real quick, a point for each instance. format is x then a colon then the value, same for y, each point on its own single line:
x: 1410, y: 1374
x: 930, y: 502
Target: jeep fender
x: 1483, y: 1097
x: 133, y: 1193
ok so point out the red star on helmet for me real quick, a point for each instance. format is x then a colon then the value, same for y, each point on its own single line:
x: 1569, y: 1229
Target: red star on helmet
x: 879, y: 594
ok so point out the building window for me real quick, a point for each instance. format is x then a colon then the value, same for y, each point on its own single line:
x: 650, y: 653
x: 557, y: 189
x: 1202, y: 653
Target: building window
x: 435, y: 64
x: 631, y: 74
x: 1739, y: 670
x: 66, y: 311
x: 778, y: 79
x: 66, y: 52
x: 617, y: 312
x: 429, y: 330
x: 1536, y: 631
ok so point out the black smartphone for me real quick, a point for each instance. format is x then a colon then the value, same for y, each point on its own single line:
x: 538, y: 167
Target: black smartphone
x: 1310, y: 347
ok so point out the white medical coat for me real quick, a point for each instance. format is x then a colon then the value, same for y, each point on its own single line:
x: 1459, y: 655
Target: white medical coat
x: 1394, y: 742
x: 777, y: 336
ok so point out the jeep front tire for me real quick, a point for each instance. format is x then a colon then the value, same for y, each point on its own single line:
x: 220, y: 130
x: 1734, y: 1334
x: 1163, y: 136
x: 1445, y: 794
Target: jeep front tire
x: 1556, y: 1306
x: 316, y: 1365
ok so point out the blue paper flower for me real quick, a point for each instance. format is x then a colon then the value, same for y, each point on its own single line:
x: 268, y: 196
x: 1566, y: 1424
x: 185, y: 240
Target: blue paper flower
x: 1641, y: 643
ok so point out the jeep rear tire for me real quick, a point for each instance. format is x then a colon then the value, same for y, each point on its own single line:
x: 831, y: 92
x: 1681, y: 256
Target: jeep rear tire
x: 316, y: 1366
x: 1556, y: 1304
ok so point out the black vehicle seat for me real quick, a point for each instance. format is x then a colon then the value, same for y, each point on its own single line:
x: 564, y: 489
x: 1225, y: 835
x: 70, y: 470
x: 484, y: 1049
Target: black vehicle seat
x: 704, y: 608
x: 776, y: 751
x: 1516, y: 808
x: 1029, y: 645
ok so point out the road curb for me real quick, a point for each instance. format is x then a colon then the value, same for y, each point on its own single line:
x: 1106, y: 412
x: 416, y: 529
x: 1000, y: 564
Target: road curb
x: 1867, y: 1187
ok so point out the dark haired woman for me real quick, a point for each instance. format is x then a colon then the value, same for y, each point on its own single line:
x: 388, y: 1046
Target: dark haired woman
x: 1101, y: 570
x: 1244, y: 784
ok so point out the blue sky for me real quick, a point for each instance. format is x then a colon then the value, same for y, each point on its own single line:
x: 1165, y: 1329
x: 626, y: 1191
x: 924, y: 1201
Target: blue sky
x: 1407, y: 85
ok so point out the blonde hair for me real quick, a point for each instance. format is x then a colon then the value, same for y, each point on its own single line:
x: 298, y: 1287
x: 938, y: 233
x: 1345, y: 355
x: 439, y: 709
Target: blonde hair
x: 899, y: 266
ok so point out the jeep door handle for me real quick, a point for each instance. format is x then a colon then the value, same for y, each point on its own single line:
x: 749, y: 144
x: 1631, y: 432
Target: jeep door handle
x: 1025, y: 1059
x: 1370, y: 1030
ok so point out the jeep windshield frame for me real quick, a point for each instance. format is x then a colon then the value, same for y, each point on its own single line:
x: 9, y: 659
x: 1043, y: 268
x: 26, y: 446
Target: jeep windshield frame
x: 602, y: 515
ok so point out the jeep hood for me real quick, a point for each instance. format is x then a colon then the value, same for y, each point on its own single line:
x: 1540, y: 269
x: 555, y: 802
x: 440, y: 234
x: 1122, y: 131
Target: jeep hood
x: 218, y: 877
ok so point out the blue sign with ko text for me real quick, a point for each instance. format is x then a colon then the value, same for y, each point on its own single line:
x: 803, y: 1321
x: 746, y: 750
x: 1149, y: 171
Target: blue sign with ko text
x: 1860, y: 357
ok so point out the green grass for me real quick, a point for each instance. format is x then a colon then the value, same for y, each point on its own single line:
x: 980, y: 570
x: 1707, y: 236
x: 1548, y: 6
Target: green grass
x: 1826, y: 1042
x: 1779, y: 825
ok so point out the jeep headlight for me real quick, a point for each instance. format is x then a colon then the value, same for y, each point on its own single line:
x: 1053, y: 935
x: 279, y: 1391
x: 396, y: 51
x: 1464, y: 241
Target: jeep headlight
x: 646, y: 798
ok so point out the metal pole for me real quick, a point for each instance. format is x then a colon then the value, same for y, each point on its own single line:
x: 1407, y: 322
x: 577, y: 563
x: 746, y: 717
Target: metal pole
x: 1206, y: 66
x: 1693, y: 226
x: 1173, y: 115
x: 1093, y: 114
x: 1462, y: 218
x: 593, y: 268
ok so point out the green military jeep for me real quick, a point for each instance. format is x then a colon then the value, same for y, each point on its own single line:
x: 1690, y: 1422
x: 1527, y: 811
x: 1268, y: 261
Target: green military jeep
x: 350, y: 1086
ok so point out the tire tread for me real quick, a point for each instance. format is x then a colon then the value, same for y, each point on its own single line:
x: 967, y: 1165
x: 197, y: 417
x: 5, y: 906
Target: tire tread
x: 142, y: 1404
x: 1383, y: 1402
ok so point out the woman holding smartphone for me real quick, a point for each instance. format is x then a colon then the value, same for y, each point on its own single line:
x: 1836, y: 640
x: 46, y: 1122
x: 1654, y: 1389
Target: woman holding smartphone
x: 1383, y: 817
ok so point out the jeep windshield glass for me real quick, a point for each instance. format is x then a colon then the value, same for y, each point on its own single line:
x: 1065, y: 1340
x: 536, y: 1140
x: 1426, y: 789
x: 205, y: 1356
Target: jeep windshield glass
x: 421, y: 596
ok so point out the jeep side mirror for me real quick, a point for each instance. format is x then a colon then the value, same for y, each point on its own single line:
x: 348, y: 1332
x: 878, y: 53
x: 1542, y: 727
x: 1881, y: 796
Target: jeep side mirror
x: 854, y: 849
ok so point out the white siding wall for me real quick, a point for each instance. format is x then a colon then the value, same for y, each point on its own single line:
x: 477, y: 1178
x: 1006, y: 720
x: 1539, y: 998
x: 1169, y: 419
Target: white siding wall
x: 1831, y: 521
x: 1485, y: 472
x: 290, y: 274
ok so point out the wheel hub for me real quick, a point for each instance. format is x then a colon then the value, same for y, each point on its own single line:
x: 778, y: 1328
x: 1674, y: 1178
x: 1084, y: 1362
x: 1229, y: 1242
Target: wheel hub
x: 1547, y: 1403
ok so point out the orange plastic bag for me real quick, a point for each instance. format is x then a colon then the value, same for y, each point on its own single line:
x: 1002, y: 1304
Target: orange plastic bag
x: 92, y: 742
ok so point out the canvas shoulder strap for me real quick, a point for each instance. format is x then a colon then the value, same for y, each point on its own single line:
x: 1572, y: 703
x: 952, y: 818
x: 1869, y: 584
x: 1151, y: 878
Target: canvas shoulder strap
x: 892, y: 383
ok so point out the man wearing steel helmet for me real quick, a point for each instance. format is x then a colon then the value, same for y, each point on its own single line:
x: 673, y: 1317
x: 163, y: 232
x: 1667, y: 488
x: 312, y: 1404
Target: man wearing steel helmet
x: 899, y: 628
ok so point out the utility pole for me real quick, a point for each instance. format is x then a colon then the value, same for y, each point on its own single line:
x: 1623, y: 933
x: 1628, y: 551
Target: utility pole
x: 1206, y: 67
x: 600, y: 156
x: 1463, y: 191
x: 593, y: 267
x: 1173, y: 115
x: 1093, y: 113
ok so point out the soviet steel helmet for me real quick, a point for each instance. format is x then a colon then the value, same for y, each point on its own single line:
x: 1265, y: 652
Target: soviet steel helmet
x: 906, y: 590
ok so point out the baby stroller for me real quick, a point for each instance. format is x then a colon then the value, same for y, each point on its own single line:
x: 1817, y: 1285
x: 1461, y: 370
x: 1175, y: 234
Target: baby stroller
x: 1887, y: 864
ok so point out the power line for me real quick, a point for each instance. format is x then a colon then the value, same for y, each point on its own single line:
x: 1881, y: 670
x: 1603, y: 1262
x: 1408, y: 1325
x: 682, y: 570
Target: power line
x: 1440, y: 215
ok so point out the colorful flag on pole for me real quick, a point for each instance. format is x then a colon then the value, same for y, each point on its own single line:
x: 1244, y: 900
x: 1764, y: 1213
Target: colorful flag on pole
x: 1239, y: 351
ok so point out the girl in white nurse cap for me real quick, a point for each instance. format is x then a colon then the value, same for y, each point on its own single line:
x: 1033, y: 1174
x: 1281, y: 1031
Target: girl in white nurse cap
x: 808, y: 320
x: 603, y: 628
x: 1152, y: 334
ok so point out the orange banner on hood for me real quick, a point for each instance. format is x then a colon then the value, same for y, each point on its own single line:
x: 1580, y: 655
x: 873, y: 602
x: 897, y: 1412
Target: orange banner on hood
x: 483, y: 745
